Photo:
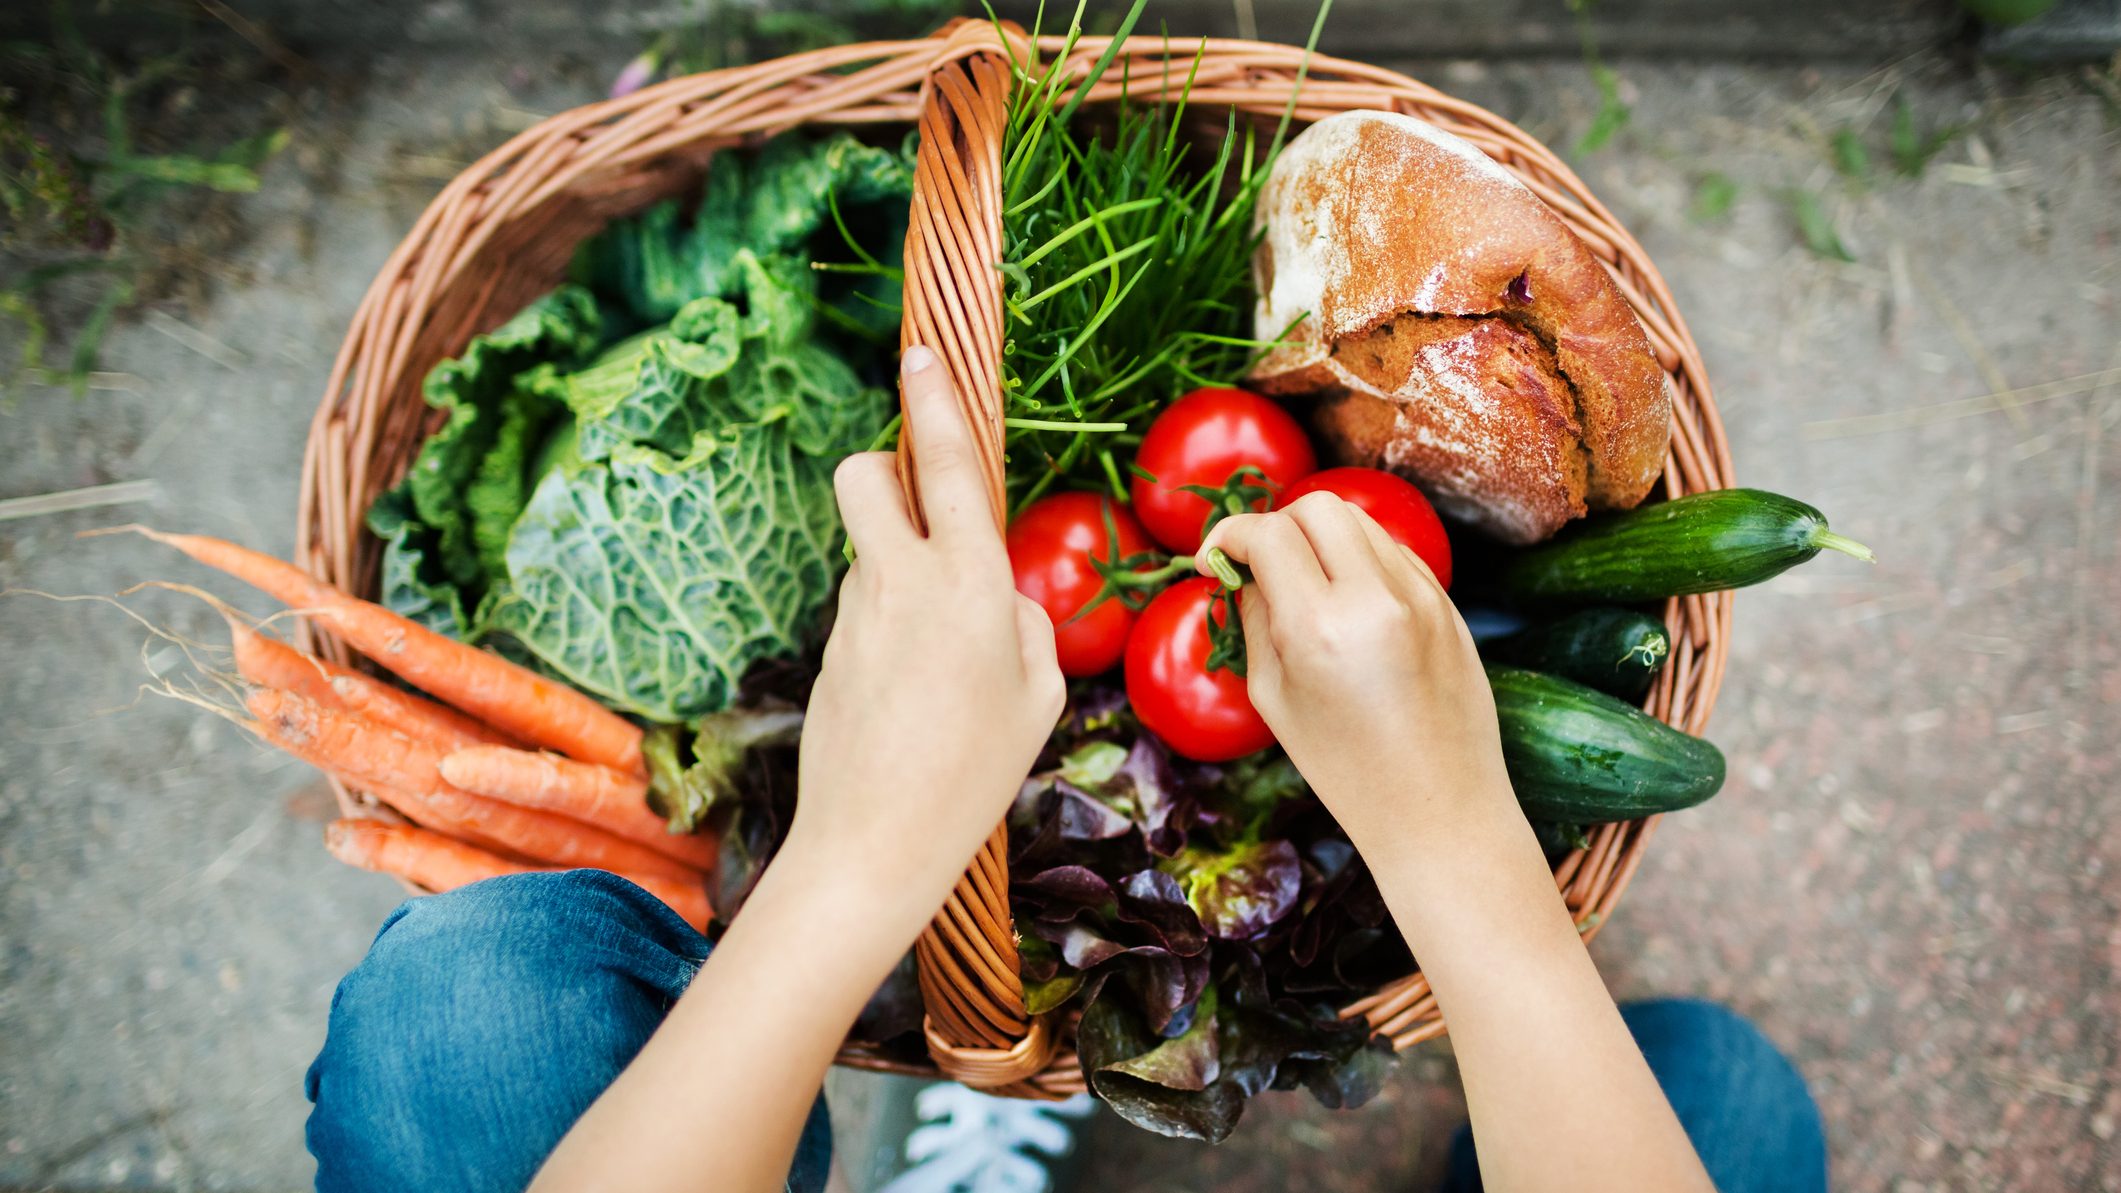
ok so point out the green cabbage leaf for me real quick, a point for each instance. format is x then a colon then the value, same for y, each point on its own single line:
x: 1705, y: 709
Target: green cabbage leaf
x: 632, y: 487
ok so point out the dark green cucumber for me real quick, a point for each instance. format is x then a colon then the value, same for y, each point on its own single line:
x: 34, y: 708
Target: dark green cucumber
x: 1557, y: 840
x: 1726, y: 538
x: 1578, y: 756
x: 1617, y: 651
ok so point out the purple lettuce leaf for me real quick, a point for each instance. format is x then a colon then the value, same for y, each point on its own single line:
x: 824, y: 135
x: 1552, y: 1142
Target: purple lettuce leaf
x: 1153, y: 901
x: 1346, y: 1078
x: 751, y: 828
x: 1148, y: 1080
x: 1080, y: 945
x: 1062, y: 893
x: 1338, y: 1060
x: 1113, y: 787
x: 1163, y: 803
x: 1339, y: 897
x: 1096, y: 709
x: 1358, y: 960
x: 1241, y: 892
x: 1112, y: 1035
x: 1251, y: 797
x: 1036, y: 959
x: 1085, y: 817
x: 1063, y: 829
x: 1162, y: 983
x: 1190, y: 1060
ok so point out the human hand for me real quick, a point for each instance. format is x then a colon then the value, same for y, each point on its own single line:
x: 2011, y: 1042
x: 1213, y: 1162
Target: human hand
x: 1363, y: 669
x: 939, y: 683
x: 1366, y: 674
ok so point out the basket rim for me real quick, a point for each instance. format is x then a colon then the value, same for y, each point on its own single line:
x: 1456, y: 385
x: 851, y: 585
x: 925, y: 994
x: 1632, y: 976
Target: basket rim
x: 427, y: 300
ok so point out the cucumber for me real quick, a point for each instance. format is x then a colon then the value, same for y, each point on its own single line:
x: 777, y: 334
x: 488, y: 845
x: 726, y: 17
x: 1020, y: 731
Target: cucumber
x: 1578, y: 756
x: 1617, y: 651
x: 1557, y: 840
x: 1727, y: 538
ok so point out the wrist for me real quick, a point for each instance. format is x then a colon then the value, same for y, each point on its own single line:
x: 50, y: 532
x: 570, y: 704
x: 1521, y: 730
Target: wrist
x: 1436, y: 816
x: 1475, y: 874
x: 861, y: 889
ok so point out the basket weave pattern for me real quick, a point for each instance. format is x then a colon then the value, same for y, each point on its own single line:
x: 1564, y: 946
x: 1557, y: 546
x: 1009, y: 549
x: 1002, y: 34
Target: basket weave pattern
x: 502, y: 233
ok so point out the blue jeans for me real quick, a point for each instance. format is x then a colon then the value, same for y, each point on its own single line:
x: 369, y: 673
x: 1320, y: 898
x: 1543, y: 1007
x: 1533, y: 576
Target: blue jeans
x: 483, y: 1023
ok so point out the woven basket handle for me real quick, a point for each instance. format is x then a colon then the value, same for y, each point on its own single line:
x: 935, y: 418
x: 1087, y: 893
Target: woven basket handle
x: 977, y: 1027
x: 953, y: 298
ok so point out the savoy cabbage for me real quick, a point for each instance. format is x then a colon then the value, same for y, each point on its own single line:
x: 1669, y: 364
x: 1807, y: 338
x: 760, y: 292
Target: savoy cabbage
x: 632, y: 484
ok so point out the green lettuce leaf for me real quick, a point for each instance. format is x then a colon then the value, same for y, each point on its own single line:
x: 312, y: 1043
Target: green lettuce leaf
x: 686, y: 786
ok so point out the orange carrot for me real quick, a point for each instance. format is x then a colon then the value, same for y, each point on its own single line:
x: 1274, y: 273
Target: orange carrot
x: 271, y: 663
x: 369, y: 755
x: 437, y: 863
x: 547, y: 836
x: 413, y: 715
x: 423, y: 858
x: 514, y: 699
x: 345, y: 744
x: 595, y: 794
x: 418, y: 810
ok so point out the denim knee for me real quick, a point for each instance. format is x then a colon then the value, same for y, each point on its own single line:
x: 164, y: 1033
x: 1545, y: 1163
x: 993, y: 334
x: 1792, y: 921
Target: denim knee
x: 1742, y: 1102
x: 483, y: 1023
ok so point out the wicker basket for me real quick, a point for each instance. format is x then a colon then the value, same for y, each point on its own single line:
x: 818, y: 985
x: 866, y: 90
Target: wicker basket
x: 502, y: 233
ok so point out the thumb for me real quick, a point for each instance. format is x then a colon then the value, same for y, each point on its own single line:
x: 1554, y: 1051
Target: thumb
x: 1035, y: 637
x: 1262, y: 661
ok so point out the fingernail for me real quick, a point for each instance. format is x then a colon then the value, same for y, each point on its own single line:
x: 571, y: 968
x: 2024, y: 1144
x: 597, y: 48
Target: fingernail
x: 918, y: 358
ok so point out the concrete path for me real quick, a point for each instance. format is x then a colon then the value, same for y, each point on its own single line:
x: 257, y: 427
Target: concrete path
x: 1912, y: 881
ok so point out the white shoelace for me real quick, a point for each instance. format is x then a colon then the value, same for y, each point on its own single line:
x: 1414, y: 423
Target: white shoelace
x: 970, y: 1142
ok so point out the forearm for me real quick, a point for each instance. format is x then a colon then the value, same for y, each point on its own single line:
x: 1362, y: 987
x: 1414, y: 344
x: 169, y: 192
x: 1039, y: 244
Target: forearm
x: 1558, y: 1093
x: 724, y: 1086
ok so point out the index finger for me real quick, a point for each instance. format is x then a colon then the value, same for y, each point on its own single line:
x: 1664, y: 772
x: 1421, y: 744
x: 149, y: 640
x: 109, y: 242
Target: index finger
x: 1283, y: 562
x: 947, y: 478
x: 1400, y: 560
x: 872, y: 506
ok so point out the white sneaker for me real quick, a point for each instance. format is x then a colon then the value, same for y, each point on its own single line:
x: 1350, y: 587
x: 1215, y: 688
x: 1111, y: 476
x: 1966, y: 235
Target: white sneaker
x: 970, y: 1142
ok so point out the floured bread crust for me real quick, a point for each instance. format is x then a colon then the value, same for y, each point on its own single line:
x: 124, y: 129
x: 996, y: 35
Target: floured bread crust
x: 1455, y: 328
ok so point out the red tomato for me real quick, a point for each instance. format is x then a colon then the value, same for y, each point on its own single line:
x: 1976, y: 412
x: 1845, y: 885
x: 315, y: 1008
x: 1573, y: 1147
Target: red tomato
x: 1050, y: 548
x: 1204, y: 715
x: 1200, y: 440
x: 1397, y: 505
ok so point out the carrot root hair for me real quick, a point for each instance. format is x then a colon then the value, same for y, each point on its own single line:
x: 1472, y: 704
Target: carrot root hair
x: 520, y: 702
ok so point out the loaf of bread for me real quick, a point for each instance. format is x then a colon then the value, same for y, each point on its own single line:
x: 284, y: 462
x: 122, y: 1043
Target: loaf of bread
x: 1453, y: 329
